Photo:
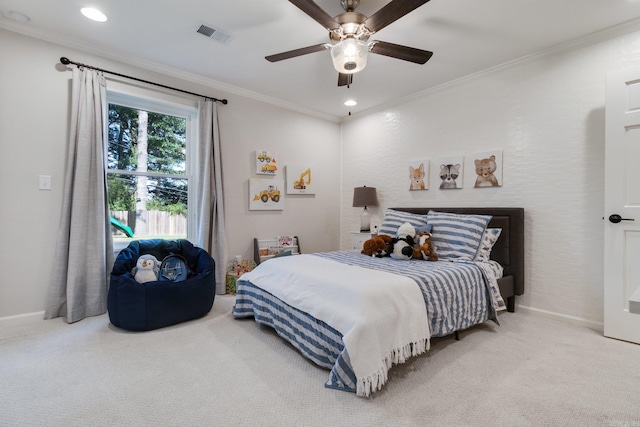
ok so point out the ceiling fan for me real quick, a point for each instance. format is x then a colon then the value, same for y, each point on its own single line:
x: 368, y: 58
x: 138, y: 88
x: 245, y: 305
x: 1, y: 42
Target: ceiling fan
x: 349, y: 33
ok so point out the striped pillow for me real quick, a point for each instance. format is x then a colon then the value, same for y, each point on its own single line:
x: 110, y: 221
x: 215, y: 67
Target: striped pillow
x: 394, y: 219
x: 457, y: 236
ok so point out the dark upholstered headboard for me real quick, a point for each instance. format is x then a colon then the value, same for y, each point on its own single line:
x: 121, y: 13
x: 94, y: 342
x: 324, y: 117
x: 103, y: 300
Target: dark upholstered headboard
x: 509, y: 249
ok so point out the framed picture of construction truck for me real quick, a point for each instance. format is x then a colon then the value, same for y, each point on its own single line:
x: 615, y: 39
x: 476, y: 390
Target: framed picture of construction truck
x: 299, y: 180
x: 266, y: 194
x: 266, y: 163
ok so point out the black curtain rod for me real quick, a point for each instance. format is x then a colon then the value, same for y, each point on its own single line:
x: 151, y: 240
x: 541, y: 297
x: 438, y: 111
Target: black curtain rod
x: 67, y: 61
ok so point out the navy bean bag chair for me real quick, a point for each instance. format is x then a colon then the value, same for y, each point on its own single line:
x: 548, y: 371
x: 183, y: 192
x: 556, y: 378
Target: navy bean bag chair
x: 145, y: 306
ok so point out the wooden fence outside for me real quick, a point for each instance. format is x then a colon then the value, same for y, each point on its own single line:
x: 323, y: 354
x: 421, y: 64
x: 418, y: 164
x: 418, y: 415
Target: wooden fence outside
x: 159, y: 223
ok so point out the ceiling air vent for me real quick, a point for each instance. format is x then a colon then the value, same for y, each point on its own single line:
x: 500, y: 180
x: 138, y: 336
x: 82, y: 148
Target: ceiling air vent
x: 213, y: 33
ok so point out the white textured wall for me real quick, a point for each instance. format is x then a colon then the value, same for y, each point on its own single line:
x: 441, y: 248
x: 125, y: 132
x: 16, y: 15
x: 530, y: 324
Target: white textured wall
x: 547, y: 116
x: 34, y: 114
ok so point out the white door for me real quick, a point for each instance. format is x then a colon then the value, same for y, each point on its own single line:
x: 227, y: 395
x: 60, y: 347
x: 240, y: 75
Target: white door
x: 622, y: 206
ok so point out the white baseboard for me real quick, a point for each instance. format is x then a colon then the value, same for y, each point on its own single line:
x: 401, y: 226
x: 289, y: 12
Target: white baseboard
x: 578, y: 321
x: 22, y: 319
x: 27, y: 318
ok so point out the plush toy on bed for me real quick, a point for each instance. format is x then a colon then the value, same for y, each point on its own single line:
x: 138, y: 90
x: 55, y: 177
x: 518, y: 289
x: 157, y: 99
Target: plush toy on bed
x: 146, y: 269
x: 403, y: 242
x: 378, y: 246
x: 424, y: 248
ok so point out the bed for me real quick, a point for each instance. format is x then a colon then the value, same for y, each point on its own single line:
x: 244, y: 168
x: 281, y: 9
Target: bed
x: 357, y: 316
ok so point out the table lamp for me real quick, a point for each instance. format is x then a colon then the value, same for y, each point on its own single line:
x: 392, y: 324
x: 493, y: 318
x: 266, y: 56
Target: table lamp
x: 365, y: 196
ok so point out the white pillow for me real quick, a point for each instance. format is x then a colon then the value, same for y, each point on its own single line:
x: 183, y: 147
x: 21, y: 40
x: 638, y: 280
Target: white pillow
x: 489, y: 238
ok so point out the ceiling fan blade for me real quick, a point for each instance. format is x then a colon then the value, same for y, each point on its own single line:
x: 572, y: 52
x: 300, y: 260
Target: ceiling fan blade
x: 345, y: 79
x: 313, y: 10
x: 297, y: 52
x: 397, y: 51
x: 393, y: 11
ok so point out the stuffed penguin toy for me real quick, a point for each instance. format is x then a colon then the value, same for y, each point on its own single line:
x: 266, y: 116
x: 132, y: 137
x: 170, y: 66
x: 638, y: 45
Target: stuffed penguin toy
x: 146, y: 269
x: 403, y: 242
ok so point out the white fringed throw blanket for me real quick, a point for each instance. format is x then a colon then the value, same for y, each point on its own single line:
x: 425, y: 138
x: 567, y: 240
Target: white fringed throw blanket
x: 382, y: 316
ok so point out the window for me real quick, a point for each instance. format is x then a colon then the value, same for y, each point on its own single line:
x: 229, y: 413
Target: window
x: 148, y: 168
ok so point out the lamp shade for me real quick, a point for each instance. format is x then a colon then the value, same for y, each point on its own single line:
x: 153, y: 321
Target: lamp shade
x: 364, y: 196
x: 349, y: 56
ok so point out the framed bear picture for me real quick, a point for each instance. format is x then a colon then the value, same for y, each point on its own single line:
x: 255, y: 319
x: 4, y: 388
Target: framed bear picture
x: 488, y: 169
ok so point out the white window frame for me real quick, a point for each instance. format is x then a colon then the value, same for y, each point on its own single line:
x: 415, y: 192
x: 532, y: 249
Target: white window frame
x: 190, y: 114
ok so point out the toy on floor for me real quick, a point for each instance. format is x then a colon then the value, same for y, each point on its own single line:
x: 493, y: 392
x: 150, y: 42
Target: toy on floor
x: 146, y: 269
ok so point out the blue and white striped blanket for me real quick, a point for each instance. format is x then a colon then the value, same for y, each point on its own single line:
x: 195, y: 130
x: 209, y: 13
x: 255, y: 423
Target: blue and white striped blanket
x: 456, y: 296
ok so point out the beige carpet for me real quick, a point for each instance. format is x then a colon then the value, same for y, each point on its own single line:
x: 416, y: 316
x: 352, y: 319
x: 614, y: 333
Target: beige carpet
x: 218, y: 371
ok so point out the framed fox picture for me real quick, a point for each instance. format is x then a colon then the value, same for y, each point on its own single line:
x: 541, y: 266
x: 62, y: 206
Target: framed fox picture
x: 419, y: 175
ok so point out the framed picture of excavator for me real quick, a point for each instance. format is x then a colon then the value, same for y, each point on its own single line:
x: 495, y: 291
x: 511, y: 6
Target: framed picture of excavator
x: 266, y: 194
x: 299, y: 180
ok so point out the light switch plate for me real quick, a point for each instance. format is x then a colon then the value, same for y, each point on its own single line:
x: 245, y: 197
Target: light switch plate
x: 45, y: 182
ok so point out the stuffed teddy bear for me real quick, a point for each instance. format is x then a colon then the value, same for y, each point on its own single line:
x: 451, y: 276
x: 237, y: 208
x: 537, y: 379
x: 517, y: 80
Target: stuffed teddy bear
x: 146, y: 269
x: 424, y: 247
x: 403, y: 242
x: 378, y: 246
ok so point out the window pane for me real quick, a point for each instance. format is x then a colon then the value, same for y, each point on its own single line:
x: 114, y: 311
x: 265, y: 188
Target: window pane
x: 147, y: 208
x: 146, y: 141
x: 123, y: 133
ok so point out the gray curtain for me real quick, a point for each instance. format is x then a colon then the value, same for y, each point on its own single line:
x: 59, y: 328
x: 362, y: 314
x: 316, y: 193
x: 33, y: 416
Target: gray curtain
x: 84, y: 252
x: 209, y: 205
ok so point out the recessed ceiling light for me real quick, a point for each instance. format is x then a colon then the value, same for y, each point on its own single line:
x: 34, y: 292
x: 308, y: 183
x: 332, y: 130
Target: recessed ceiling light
x: 93, y: 14
x: 18, y: 16
x: 350, y: 103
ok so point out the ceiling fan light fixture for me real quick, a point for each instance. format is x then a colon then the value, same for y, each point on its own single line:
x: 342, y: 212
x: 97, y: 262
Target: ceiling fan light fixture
x: 349, y: 55
x: 350, y: 28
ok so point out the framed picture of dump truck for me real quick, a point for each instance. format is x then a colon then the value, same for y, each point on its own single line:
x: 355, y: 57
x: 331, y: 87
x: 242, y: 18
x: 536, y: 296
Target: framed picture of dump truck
x: 266, y: 194
x: 266, y: 163
x: 299, y: 180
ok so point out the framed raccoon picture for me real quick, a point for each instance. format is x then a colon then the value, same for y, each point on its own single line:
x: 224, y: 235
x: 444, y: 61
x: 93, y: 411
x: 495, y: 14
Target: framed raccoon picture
x: 451, y: 171
x: 419, y: 175
x: 488, y: 169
